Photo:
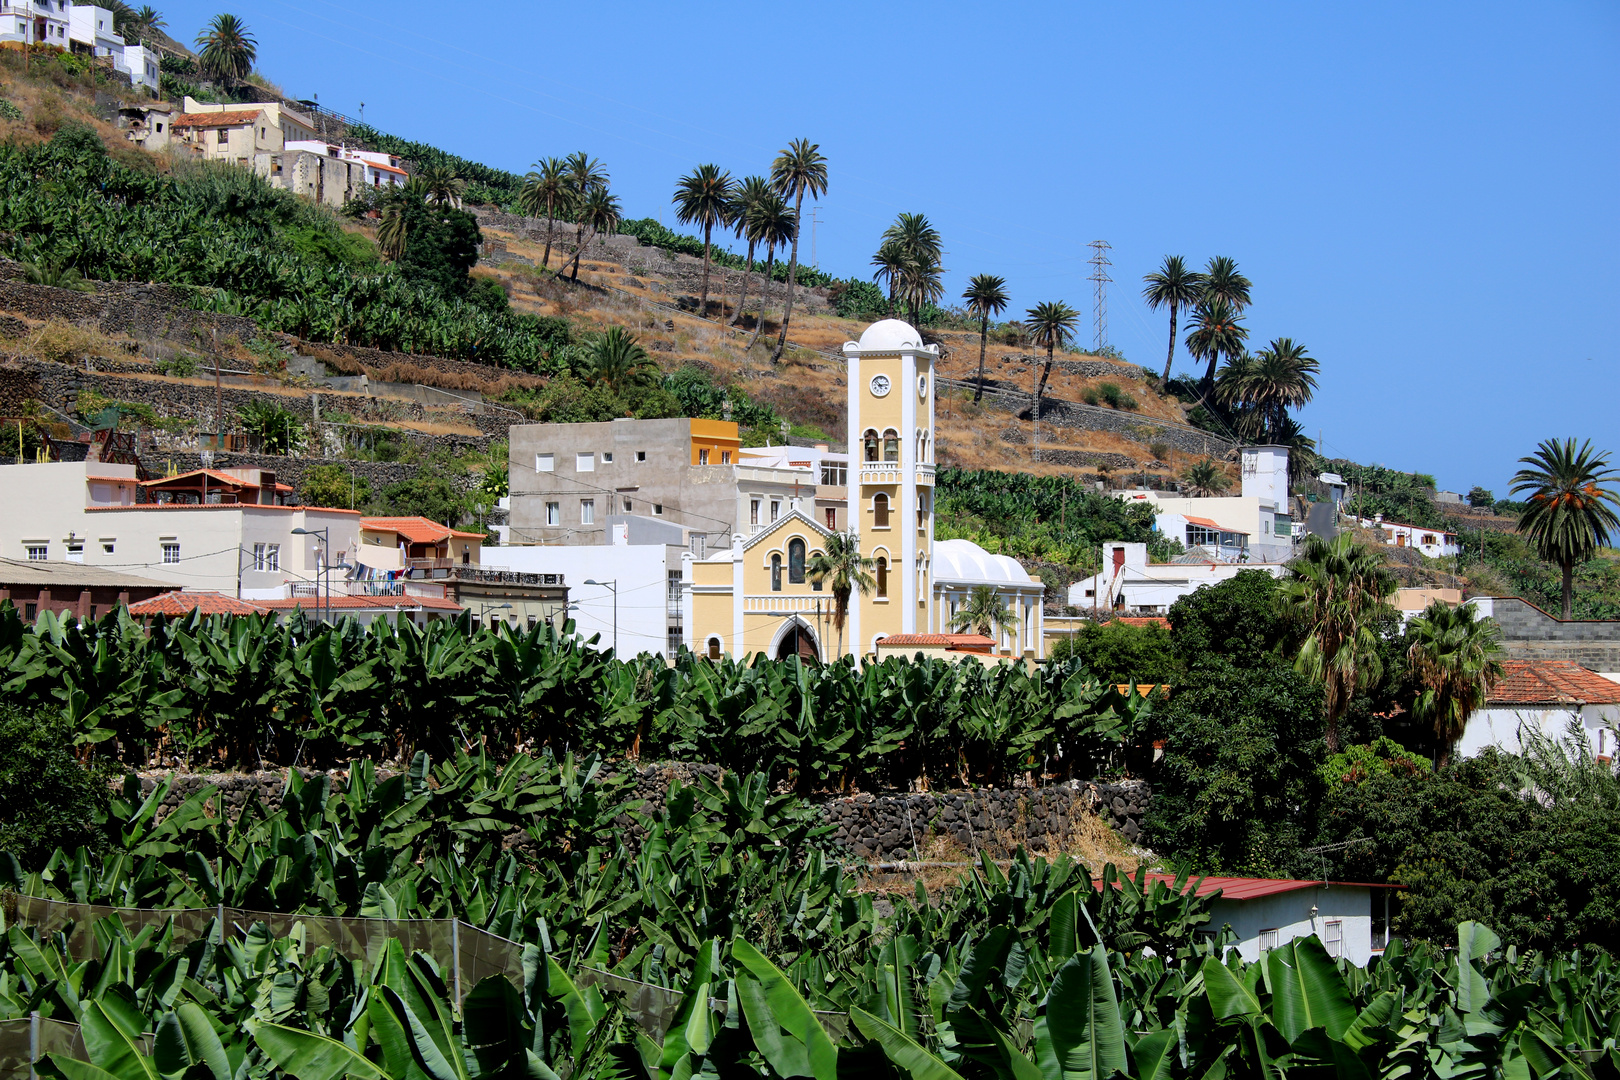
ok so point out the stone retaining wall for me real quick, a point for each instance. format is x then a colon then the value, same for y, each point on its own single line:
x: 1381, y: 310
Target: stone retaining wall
x: 122, y: 307
x: 880, y: 827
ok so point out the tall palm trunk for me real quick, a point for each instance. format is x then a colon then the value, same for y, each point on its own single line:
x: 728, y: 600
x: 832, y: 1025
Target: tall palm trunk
x: 793, y: 277
x: 578, y: 251
x: 742, y: 299
x: 703, y: 301
x: 764, y: 293
x: 840, y: 615
x: 1170, y: 357
x: 1046, y: 373
x: 551, y: 227
x: 1569, y: 586
x: 984, y: 336
x: 579, y: 246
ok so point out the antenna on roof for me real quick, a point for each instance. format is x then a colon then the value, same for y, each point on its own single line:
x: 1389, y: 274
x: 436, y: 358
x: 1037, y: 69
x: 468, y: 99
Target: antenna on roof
x: 1340, y: 846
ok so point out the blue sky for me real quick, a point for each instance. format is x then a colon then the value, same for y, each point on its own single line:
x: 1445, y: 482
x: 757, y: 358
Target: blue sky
x: 1424, y: 195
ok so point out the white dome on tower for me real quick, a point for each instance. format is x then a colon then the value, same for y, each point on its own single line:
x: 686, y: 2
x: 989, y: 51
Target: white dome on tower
x: 964, y: 562
x: 890, y: 335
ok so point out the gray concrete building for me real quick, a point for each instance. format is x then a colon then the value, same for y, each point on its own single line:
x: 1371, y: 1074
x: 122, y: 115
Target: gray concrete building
x: 1529, y: 633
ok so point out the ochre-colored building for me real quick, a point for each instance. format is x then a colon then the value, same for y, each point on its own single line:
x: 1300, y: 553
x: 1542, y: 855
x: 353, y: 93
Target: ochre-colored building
x: 757, y: 596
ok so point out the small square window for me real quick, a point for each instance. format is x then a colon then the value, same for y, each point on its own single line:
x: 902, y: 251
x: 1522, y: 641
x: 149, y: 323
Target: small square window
x: 545, y: 463
x: 107, y: 546
x: 725, y: 457
x: 171, y: 551
x: 607, y: 457
x: 584, y: 462
x: 1268, y: 938
x: 641, y: 455
x: 38, y: 552
x: 703, y: 457
x: 658, y: 509
x: 626, y: 502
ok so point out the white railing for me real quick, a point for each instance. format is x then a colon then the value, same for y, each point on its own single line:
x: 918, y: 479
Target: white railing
x: 774, y: 603
x: 892, y: 472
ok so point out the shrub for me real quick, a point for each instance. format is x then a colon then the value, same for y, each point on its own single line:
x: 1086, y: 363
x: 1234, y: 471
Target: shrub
x: 334, y: 486
x: 1090, y: 398
x: 47, y: 799
x: 182, y: 365
x: 1160, y: 451
x: 61, y: 342
x: 1114, y: 397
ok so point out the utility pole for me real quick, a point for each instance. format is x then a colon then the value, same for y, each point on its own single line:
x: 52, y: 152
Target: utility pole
x: 1099, y: 298
x: 219, y: 397
x: 815, y: 220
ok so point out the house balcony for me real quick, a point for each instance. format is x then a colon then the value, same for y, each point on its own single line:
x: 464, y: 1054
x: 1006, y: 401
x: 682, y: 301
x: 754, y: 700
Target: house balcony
x: 893, y: 472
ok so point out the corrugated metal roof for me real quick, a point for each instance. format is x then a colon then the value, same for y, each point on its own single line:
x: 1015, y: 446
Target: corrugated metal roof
x: 24, y: 572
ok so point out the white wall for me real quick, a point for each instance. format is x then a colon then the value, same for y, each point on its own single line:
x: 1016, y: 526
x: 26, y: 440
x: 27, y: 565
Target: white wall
x: 640, y: 569
x: 1500, y: 727
x: 1290, y: 915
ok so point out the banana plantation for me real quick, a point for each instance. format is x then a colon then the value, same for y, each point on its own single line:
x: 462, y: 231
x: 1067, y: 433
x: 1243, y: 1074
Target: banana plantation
x: 712, y: 935
x: 222, y: 692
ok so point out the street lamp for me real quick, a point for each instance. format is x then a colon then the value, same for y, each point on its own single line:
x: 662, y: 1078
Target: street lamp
x: 485, y: 609
x: 611, y: 583
x: 326, y: 540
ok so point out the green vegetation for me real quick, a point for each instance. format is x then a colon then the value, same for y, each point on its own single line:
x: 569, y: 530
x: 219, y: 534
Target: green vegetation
x: 252, y: 250
x: 1570, y: 511
x: 47, y: 800
x: 1118, y: 652
x: 986, y: 297
x: 239, y: 692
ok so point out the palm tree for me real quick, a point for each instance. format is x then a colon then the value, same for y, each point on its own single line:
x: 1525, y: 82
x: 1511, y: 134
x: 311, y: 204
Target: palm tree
x: 986, y: 295
x: 586, y: 176
x: 1206, y: 478
x: 752, y: 191
x: 228, y: 49
x: 847, y: 569
x: 910, y: 257
x: 1051, y: 324
x: 704, y: 198
x: 149, y: 18
x: 547, y: 187
x: 391, y: 230
x: 442, y: 185
x: 599, y: 212
x: 890, y: 261
x: 1456, y: 656
x: 798, y: 171
x: 1223, y: 282
x: 1215, y: 330
x: 1284, y: 377
x: 1338, y: 590
x: 777, y: 224
x: 985, y: 612
x: 616, y: 360
x: 1175, y: 287
x: 1568, y: 515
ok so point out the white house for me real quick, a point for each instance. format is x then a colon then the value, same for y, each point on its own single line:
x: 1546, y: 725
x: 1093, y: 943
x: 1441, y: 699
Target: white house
x: 1128, y: 582
x: 92, y: 30
x: 215, y: 530
x: 1336, y: 487
x: 1256, y: 524
x: 638, y: 599
x: 1435, y: 543
x: 960, y: 566
x: 1554, y: 697
x: 36, y: 22
x: 141, y: 62
x: 377, y: 169
x: 1350, y: 918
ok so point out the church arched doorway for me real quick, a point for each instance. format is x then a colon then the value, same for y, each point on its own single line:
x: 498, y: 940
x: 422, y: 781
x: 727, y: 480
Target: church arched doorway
x: 797, y: 640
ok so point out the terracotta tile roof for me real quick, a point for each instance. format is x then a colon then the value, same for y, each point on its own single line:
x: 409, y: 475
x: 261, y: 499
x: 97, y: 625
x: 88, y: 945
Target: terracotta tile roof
x: 213, y: 474
x: 1551, y: 682
x: 1242, y: 888
x: 959, y: 642
x: 416, y: 530
x: 1143, y: 688
x: 210, y: 120
x: 184, y: 603
x: 384, y: 168
x: 341, y: 602
x: 1144, y: 620
x: 1208, y: 524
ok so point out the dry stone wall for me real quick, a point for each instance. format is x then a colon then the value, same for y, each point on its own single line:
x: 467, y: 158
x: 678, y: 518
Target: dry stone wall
x: 881, y: 827
x: 120, y: 307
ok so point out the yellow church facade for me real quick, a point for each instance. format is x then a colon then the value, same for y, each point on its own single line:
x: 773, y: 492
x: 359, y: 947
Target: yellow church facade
x: 757, y: 596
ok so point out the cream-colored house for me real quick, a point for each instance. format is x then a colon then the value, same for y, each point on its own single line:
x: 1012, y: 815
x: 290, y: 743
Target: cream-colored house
x: 757, y: 595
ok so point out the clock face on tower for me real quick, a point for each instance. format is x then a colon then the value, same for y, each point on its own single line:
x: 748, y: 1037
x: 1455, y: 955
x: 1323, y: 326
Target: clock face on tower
x: 922, y: 386
x: 880, y: 385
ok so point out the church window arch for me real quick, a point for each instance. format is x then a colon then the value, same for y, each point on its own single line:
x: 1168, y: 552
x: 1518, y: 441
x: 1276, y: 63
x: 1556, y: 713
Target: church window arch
x: 870, y: 443
x: 776, y: 571
x: 880, y: 510
x: 796, y: 561
x: 714, y: 647
x: 880, y: 567
x: 891, y: 445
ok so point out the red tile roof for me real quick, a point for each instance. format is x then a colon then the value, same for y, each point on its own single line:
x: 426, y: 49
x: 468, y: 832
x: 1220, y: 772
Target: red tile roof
x: 344, y: 602
x: 1144, y: 620
x: 221, y: 119
x: 1551, y: 682
x: 184, y: 603
x: 1208, y: 524
x: 1143, y: 688
x: 417, y: 530
x: 384, y: 168
x: 215, y: 474
x: 1242, y: 888
x: 959, y: 642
